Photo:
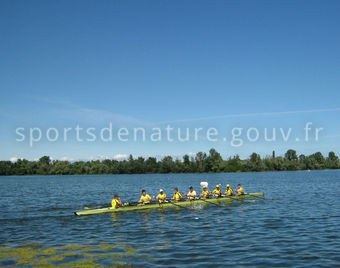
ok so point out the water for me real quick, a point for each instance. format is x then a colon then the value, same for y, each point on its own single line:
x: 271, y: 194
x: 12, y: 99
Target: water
x: 297, y: 225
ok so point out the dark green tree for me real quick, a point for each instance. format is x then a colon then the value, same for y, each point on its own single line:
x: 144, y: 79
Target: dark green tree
x: 291, y: 155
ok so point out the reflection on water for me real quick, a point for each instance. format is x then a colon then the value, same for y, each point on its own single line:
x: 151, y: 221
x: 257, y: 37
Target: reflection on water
x: 296, y: 225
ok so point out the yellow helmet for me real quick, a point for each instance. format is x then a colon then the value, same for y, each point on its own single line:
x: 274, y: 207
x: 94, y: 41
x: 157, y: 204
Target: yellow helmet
x: 228, y: 185
x: 204, y: 187
x: 217, y: 186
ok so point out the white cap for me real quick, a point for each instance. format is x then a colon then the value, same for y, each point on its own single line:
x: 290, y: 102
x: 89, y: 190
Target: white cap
x: 204, y: 183
x: 161, y: 190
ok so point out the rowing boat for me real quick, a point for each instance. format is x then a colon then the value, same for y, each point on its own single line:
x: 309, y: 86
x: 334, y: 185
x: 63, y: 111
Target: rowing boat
x: 186, y: 203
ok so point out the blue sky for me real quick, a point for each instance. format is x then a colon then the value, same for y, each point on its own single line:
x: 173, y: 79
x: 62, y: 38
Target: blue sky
x: 220, y: 64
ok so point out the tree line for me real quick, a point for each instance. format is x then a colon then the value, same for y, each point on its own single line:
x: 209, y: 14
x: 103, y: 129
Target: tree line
x: 200, y: 163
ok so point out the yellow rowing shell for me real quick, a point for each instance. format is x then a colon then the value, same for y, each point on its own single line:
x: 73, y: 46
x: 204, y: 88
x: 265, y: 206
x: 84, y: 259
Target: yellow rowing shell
x: 168, y: 205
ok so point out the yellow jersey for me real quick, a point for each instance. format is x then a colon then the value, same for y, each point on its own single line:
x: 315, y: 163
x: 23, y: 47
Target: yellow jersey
x: 205, y: 193
x: 240, y: 190
x: 161, y: 198
x: 192, y: 195
x: 217, y: 192
x: 177, y: 196
x: 229, y: 191
x: 145, y: 199
x: 115, y: 203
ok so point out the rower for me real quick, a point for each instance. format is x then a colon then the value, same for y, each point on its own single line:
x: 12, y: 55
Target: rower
x: 116, y: 202
x: 161, y: 197
x: 217, y: 192
x: 205, y: 193
x: 240, y: 190
x: 192, y: 193
x: 229, y: 191
x: 177, y: 196
x: 144, y: 199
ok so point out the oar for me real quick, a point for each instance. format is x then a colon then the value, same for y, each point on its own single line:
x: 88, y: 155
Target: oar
x: 245, y: 194
x: 95, y: 207
x: 109, y: 205
x: 228, y: 196
x: 261, y: 197
x: 207, y: 202
x: 98, y: 206
x: 210, y: 202
x: 175, y: 204
x: 130, y: 204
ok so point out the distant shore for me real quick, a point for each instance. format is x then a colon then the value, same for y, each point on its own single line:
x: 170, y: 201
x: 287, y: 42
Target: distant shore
x: 200, y: 163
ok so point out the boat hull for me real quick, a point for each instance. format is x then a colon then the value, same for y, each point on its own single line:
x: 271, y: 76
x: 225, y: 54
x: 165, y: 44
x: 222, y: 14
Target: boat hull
x: 168, y: 205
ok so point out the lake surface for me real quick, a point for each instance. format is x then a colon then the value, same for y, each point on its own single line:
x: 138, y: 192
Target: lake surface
x: 297, y: 225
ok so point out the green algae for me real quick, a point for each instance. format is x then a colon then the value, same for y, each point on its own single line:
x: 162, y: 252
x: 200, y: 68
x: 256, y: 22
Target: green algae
x: 49, y: 251
x: 73, y: 247
x: 82, y: 264
x: 57, y: 258
x: 33, y: 245
x: 26, y: 254
x: 131, y: 251
x: 111, y: 255
x: 45, y: 265
x: 73, y: 255
x: 106, y: 247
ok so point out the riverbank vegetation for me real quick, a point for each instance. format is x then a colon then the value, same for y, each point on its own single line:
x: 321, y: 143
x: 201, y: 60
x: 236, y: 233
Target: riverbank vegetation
x: 201, y: 162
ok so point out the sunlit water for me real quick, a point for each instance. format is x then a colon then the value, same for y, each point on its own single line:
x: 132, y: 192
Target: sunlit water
x: 298, y: 224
